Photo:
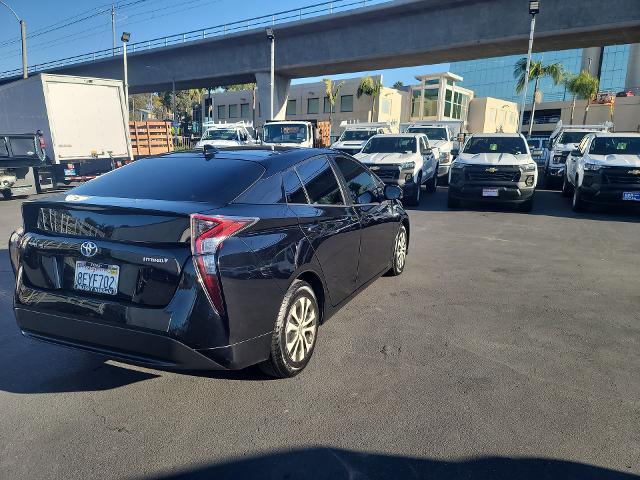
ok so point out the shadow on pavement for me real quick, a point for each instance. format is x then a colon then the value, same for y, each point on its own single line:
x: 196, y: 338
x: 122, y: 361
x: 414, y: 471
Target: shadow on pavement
x: 550, y: 203
x: 336, y: 464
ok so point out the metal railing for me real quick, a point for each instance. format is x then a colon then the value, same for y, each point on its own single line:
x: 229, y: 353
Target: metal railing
x: 310, y: 11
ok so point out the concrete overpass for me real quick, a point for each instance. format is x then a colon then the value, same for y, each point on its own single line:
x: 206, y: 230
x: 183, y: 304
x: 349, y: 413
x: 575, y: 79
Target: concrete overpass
x: 395, y: 34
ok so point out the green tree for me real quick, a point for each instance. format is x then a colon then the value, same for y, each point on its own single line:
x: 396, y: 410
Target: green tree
x: 583, y: 86
x: 398, y: 85
x: 332, y: 90
x: 372, y: 88
x: 537, y: 71
x: 239, y: 86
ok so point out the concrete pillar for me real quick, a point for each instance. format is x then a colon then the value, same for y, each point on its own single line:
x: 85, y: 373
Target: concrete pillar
x: 633, y: 68
x: 280, y: 95
x: 595, y: 54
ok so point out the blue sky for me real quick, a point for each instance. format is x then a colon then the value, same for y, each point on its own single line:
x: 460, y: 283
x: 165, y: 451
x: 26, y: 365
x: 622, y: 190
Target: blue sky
x: 89, y: 26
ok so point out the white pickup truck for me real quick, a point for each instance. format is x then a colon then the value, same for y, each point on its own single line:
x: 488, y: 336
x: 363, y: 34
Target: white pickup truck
x: 356, y: 135
x: 494, y: 167
x: 226, y: 135
x: 562, y: 141
x: 405, y: 160
x: 604, y: 169
x: 443, y: 137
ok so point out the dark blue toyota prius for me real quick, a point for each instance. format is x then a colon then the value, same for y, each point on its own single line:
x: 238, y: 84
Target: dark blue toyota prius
x: 207, y: 260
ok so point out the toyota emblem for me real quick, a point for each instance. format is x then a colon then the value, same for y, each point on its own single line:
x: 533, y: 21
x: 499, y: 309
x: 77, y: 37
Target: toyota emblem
x: 88, y: 249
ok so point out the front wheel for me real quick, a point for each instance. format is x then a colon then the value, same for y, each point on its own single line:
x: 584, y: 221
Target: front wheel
x: 526, y: 206
x: 452, y: 202
x: 7, y: 194
x: 414, y: 199
x: 295, y: 333
x: 432, y: 183
x: 566, y: 187
x: 578, y: 204
x: 400, y: 248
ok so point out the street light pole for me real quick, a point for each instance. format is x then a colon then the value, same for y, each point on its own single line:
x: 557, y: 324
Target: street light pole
x: 534, y: 9
x: 173, y: 97
x: 271, y: 36
x: 23, y: 35
x: 113, y: 27
x: 125, y: 39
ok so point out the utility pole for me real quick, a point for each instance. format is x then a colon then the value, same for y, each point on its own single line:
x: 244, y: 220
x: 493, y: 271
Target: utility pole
x: 534, y: 9
x: 113, y: 27
x: 125, y: 39
x: 23, y: 35
x: 272, y: 38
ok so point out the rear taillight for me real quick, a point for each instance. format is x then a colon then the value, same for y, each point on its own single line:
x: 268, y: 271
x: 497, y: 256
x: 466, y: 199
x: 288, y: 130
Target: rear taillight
x: 14, y: 248
x: 207, y: 234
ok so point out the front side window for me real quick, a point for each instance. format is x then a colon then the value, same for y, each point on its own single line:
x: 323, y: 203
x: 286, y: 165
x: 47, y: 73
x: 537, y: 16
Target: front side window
x: 512, y: 145
x: 572, y: 137
x: 320, y: 182
x: 423, y: 145
x: 346, y: 103
x: 362, y: 186
x: 391, y: 145
x: 615, y: 146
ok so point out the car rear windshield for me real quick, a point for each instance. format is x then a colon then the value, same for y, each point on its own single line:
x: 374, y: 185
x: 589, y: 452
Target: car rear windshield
x: 571, y: 137
x: 357, y: 135
x: 432, y: 133
x: 615, y: 145
x: 220, y: 134
x: 390, y: 145
x: 180, y: 177
x: 512, y: 145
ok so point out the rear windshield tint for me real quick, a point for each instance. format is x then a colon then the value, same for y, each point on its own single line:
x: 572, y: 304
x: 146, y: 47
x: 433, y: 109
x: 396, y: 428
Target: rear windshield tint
x: 177, y: 178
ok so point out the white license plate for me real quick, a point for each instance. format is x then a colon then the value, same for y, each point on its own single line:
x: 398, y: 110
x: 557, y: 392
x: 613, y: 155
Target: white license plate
x: 489, y: 192
x: 69, y: 172
x: 96, y: 278
x: 631, y: 196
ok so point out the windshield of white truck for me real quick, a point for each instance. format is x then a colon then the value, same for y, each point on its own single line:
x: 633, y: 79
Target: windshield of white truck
x: 220, y: 134
x: 432, y: 133
x: 615, y: 146
x: 512, y: 145
x: 357, y: 135
x: 390, y: 145
x: 282, y: 133
x: 571, y: 137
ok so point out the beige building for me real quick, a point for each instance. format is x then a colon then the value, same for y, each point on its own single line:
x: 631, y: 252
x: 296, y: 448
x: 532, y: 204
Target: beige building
x: 491, y: 115
x: 438, y: 97
x: 308, y: 101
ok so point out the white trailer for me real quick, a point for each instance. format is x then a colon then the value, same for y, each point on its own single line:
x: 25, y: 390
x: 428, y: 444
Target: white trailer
x: 84, y: 122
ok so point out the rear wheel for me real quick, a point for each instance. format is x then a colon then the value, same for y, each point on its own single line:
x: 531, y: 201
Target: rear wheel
x: 432, y: 183
x: 400, y: 248
x: 295, y: 333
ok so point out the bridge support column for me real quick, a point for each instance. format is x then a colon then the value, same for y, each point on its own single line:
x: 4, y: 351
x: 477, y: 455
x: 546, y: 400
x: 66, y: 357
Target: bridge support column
x: 280, y: 95
x: 633, y: 69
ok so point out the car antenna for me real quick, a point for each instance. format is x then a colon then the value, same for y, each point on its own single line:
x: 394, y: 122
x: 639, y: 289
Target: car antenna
x: 209, y: 151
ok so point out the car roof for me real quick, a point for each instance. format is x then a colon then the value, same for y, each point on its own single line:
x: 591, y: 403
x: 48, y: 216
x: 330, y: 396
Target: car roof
x: 491, y: 135
x: 407, y: 134
x: 273, y: 160
x: 617, y: 134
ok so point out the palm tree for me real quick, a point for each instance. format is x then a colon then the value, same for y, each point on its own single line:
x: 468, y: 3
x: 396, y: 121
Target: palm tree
x: 537, y: 71
x: 585, y: 87
x: 369, y: 86
x: 331, y: 90
x: 398, y: 85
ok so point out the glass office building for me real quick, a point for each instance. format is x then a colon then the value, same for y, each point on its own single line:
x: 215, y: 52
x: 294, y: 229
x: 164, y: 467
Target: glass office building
x: 493, y: 77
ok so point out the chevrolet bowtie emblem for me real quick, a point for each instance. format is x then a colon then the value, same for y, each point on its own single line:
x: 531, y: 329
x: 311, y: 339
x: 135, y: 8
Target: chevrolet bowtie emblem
x: 491, y: 170
x: 634, y: 172
x: 375, y: 168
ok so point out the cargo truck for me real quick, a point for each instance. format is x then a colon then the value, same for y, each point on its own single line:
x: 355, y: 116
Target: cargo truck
x: 297, y: 134
x: 84, y: 123
x: 21, y: 156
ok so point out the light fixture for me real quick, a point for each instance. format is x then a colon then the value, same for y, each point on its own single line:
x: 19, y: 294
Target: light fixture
x: 270, y: 34
x: 125, y: 36
x: 534, y: 7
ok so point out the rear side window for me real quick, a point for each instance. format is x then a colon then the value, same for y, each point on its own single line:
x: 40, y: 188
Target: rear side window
x: 293, y: 189
x: 320, y: 182
x: 265, y: 191
x: 178, y: 177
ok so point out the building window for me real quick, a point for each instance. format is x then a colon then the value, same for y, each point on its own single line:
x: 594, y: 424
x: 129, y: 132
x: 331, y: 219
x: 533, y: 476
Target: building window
x: 244, y: 110
x: 434, y: 81
x: 385, y: 106
x: 431, y: 102
x: 291, y: 107
x: 313, y: 105
x: 448, y: 102
x: 222, y: 111
x: 327, y: 105
x: 346, y: 103
x: 233, y: 111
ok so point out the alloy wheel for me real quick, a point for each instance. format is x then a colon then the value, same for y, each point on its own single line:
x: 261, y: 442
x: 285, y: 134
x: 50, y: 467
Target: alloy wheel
x: 401, y: 249
x: 301, y: 328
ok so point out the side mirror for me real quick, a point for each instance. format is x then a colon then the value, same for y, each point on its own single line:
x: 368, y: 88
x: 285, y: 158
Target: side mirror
x: 392, y: 192
x: 428, y: 151
x: 576, y: 153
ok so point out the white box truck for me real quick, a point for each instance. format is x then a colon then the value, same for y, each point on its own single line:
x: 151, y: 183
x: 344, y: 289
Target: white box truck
x: 84, y: 122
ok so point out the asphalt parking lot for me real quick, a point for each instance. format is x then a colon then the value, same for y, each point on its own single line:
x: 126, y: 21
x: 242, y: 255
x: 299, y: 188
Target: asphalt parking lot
x: 509, y: 348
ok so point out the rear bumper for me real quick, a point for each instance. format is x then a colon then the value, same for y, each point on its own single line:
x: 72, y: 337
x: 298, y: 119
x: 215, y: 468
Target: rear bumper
x: 136, y: 346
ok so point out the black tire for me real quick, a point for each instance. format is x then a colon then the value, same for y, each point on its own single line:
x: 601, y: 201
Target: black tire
x: 7, y: 194
x: 432, y: 183
x: 414, y: 200
x: 453, y: 202
x: 526, y: 206
x: 567, y: 188
x: 397, y: 263
x: 282, y: 363
x: 444, y: 181
x: 578, y: 205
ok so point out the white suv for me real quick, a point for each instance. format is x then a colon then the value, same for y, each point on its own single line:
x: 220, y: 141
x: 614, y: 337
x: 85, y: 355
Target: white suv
x: 225, y: 135
x: 494, y: 167
x: 605, y: 169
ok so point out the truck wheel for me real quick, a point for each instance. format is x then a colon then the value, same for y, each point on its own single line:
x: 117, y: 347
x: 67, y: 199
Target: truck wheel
x: 526, y: 206
x: 414, y: 200
x: 578, y: 204
x: 7, y: 194
x: 432, y: 183
x: 566, y: 187
x: 453, y: 202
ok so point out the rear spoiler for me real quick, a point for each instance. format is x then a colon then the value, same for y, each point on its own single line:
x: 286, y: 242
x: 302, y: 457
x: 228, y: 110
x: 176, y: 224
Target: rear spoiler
x: 22, y: 150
